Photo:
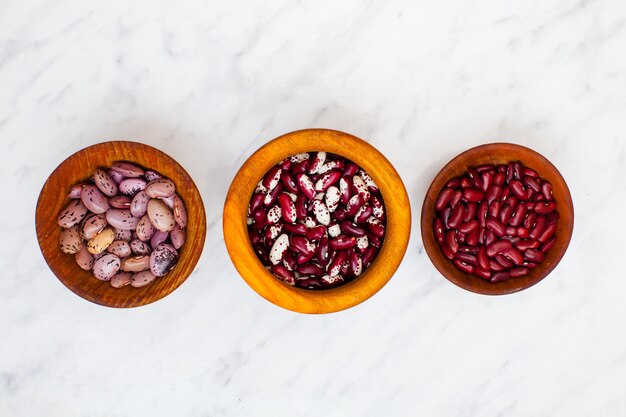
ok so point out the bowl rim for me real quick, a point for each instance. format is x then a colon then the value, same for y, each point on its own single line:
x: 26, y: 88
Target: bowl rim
x: 68, y: 282
x: 506, y: 287
x: 398, y: 229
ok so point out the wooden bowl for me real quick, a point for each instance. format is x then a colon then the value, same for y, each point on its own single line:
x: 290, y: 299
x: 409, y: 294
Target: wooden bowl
x: 79, y: 168
x: 499, y: 153
x: 317, y: 301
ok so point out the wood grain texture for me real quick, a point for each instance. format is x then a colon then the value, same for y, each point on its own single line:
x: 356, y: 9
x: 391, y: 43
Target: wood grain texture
x: 498, y: 153
x: 317, y: 301
x: 79, y: 168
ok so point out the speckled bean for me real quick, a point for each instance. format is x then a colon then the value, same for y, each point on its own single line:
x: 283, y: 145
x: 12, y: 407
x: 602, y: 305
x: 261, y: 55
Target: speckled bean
x: 163, y: 259
x: 106, y: 267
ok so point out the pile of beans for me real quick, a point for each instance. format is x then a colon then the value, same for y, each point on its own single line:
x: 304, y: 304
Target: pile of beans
x: 126, y: 225
x: 496, y: 222
x: 316, y: 220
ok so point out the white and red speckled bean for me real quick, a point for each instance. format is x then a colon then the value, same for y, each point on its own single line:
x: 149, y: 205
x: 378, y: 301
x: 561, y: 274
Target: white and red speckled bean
x: 280, y: 246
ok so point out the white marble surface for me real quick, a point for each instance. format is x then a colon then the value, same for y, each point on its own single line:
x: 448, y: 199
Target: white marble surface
x: 209, y: 82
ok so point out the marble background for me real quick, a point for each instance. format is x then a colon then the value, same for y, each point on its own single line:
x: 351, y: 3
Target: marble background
x: 209, y: 82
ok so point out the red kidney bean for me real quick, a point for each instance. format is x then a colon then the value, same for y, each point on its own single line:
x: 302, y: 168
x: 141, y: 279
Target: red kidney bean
x: 482, y: 273
x: 444, y: 198
x: 506, y: 213
x: 445, y: 215
x: 500, y: 276
x: 530, y: 265
x: 527, y: 244
x: 518, y: 215
x: 529, y: 221
x: 495, y: 226
x: 530, y: 172
x: 310, y: 269
x: 350, y: 169
x: 457, y: 216
x: 498, y: 247
x: 342, y: 242
x: 296, y: 229
x: 456, y: 197
x: 470, y: 212
x: 467, y: 268
x: 289, y: 182
x: 336, y: 264
x: 466, y: 183
x: 495, y: 266
x: 552, y: 218
x: 467, y: 258
x: 514, y: 255
x: 483, y: 209
x: 487, y: 180
x: 549, y: 231
x: 522, y: 232
x: 447, y: 252
x: 454, y: 183
x: 299, y: 167
x: 469, y: 249
x: 472, y: 237
x: 512, y: 239
x: 493, y: 193
x: 301, y: 207
x: 482, y: 258
x: 510, y: 231
x: 312, y: 283
x: 473, y: 195
x: 504, y: 261
x: 368, y: 256
x: 481, y: 235
x: 499, y: 179
x: 490, y: 237
x: 546, y: 190
x: 469, y: 226
x: 450, y: 241
x: 485, y: 167
x: 545, y: 207
x: 460, y: 237
x: 518, y: 272
x: 538, y: 229
x: 532, y: 183
x: 494, y: 209
x: 438, y: 228
x: 475, y: 178
x: 506, y: 193
x: 534, y: 255
x: 509, y: 173
x: 549, y: 244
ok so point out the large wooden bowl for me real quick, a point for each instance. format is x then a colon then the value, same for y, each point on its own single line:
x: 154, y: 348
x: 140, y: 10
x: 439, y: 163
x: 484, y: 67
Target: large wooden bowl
x: 317, y: 301
x: 499, y: 153
x: 79, y: 168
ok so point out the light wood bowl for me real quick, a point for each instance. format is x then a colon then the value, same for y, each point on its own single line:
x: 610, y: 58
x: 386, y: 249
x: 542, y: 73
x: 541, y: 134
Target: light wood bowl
x: 499, y: 153
x: 317, y: 301
x: 79, y: 168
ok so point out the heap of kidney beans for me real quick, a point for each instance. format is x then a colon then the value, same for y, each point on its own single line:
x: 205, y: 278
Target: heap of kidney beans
x: 496, y: 222
x: 316, y: 220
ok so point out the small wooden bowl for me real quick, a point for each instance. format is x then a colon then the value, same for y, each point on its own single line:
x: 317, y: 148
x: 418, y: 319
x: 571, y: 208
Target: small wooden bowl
x: 79, y: 168
x: 317, y: 301
x: 498, y: 153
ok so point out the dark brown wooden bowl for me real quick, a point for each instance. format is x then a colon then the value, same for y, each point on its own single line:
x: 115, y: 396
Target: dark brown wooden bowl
x: 498, y: 153
x: 79, y: 168
x: 317, y: 301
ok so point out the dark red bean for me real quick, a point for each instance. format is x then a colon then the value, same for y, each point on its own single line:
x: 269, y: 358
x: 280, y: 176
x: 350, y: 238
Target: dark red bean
x: 494, y: 209
x: 495, y: 266
x: 354, y: 230
x: 552, y: 218
x: 538, y: 229
x: 339, y: 215
x: 522, y: 232
x: 289, y: 260
x: 315, y: 233
x: 483, y: 208
x: 513, y: 239
x: 532, y: 183
x: 499, y: 179
x: 527, y: 244
x: 301, y: 207
x: 468, y: 249
x: 345, y: 186
x: 438, y: 229
x: 490, y: 237
x: 454, y: 183
x: 303, y: 257
x: 356, y: 264
x: 512, y: 202
x: 498, y: 247
x: 311, y: 270
x: 473, y: 195
x: 510, y: 231
x: 530, y: 172
x: 495, y: 226
x: 548, y: 245
x: 468, y: 227
x: 460, y: 237
x: 470, y: 212
x: 450, y: 241
x: 481, y: 235
x: 500, y: 276
x: 530, y: 265
x: 545, y: 207
x: 444, y: 198
x: 493, y: 193
x: 519, y: 272
x: 467, y: 258
x: 457, y: 216
x: 475, y: 178
x: 504, y: 261
x: 529, y: 221
x: 514, y: 255
x: 376, y: 227
x: 482, y: 272
x: 467, y: 268
x: 447, y: 252
x: 517, y: 170
x: 546, y: 190
x: 472, y: 237
x: 505, y: 194
x: 483, y: 259
x: 509, y: 173
x: 466, y: 183
x: 534, y: 255
x: 547, y: 233
x: 260, y: 219
x: 487, y: 180
x: 296, y: 229
x: 289, y: 182
x: 256, y: 237
x: 285, y: 165
x: 336, y: 264
x: 262, y: 253
x: 456, y: 197
x: 343, y: 242
x: 283, y: 273
x: 506, y: 213
x: 300, y: 167
x: 485, y: 167
x: 518, y: 215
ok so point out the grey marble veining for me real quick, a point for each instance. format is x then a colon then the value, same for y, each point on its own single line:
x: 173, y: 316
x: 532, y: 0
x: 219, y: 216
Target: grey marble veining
x: 210, y: 82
